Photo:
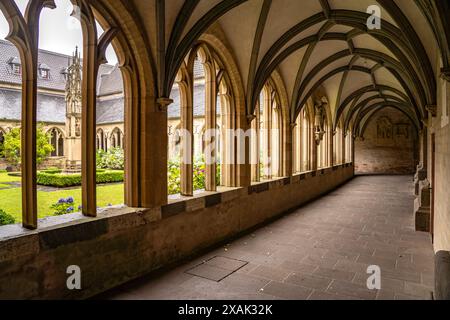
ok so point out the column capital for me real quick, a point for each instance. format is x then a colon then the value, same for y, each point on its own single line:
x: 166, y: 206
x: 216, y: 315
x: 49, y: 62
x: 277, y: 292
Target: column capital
x: 164, y: 103
x: 250, y: 118
x: 445, y: 74
x: 431, y: 108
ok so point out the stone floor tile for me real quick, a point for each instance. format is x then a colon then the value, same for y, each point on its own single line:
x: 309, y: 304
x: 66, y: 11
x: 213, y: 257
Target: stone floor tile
x: 287, y: 291
x: 319, y: 252
x: 334, y: 274
x: 352, y: 289
x: 309, y: 281
x: 275, y: 274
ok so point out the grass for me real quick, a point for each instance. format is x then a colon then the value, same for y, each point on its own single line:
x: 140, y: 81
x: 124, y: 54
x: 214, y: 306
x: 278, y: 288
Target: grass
x: 4, y: 178
x: 10, y: 199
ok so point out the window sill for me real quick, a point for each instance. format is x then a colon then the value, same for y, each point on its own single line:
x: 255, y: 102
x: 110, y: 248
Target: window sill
x: 122, y: 217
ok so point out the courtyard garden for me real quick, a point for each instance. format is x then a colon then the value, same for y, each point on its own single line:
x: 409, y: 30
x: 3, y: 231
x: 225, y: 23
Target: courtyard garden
x: 10, y: 197
x: 59, y: 191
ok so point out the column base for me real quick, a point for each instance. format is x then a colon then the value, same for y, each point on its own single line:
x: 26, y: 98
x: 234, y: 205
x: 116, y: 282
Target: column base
x: 422, y: 207
x: 420, y: 175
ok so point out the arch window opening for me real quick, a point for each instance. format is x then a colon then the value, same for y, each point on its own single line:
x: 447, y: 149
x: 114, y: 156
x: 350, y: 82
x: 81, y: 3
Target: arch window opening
x: 198, y: 120
x: 57, y: 142
x: 59, y: 123
x: 301, y: 143
x: 110, y: 127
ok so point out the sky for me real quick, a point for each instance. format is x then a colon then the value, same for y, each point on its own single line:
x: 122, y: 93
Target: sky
x: 59, y: 32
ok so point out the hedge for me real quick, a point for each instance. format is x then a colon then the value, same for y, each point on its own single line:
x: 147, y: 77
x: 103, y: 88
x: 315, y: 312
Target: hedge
x: 72, y: 180
x: 3, y: 171
x: 51, y: 171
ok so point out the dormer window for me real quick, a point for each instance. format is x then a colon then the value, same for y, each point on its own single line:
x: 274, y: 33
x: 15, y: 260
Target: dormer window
x: 44, y: 71
x: 64, y: 73
x: 16, y: 66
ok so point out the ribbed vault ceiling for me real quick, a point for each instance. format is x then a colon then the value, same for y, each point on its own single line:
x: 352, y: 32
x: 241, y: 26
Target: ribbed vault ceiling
x: 314, y: 44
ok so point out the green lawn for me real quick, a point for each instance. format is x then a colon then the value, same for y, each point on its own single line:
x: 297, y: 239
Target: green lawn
x: 4, y: 178
x: 10, y: 199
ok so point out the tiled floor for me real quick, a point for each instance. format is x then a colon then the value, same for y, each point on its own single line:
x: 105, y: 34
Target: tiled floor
x: 321, y: 251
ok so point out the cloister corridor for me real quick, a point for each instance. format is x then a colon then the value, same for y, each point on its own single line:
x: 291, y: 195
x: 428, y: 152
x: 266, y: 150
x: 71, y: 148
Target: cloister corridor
x: 319, y: 251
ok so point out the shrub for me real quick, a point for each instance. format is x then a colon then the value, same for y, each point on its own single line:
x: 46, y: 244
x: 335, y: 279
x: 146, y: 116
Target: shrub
x: 113, y: 159
x: 6, y: 218
x: 71, y: 180
x: 52, y: 170
x: 3, y: 171
x: 12, y: 144
x: 110, y: 176
x: 199, y: 169
x: 63, y: 206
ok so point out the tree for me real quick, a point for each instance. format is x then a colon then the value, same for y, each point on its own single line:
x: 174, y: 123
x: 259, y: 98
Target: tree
x: 12, y: 146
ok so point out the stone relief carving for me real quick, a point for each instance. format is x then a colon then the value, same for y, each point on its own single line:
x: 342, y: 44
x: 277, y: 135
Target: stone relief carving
x: 319, y: 120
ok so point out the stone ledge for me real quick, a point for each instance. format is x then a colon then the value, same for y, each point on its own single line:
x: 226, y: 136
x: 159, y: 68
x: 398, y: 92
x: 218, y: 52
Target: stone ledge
x: 442, y: 275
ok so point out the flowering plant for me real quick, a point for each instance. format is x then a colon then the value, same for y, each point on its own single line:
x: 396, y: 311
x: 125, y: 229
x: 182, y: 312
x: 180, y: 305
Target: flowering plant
x: 63, y: 206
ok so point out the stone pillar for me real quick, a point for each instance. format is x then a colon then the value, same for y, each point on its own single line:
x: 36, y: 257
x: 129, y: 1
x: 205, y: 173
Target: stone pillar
x: 210, y: 125
x: 187, y: 136
x: 88, y: 117
x: 314, y: 150
x: 255, y: 149
x: 287, y: 146
x: 330, y: 148
x: 267, y: 136
x: 295, y: 147
x: 28, y: 140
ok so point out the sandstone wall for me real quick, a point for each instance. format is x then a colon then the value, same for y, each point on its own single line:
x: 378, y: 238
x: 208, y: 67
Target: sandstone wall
x: 390, y: 145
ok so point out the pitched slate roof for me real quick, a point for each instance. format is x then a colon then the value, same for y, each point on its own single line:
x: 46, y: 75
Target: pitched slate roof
x: 51, y: 108
x: 110, y: 111
x: 199, y: 102
x: 56, y: 64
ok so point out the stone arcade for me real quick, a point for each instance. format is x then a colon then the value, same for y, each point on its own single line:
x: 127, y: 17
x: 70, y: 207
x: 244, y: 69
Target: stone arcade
x: 345, y: 99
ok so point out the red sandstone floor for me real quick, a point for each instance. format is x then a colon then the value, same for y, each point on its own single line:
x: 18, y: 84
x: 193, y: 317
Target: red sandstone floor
x: 320, y: 251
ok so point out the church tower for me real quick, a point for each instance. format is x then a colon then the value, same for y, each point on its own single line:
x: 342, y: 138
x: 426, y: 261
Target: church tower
x: 73, y: 110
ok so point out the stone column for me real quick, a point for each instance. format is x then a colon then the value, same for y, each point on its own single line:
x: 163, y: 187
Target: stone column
x: 88, y: 121
x: 187, y: 138
x: 267, y: 129
x: 210, y: 125
x: 255, y: 149
x: 314, y: 150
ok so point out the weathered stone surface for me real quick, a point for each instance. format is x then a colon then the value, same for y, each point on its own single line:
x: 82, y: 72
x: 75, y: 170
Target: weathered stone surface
x: 388, y: 146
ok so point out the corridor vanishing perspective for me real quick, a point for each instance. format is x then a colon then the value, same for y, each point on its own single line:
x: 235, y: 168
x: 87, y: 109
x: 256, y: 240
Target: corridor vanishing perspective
x: 321, y: 252
x: 293, y: 149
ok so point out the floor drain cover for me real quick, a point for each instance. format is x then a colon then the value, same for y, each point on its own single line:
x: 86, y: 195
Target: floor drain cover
x: 217, y: 268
